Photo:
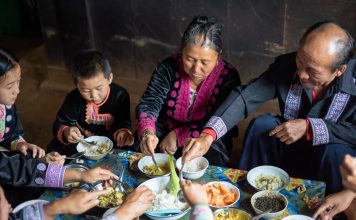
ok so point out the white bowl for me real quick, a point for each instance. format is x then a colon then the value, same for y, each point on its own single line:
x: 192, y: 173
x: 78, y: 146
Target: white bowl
x: 267, y: 171
x: 27, y: 203
x: 269, y: 193
x: 229, y: 187
x: 157, y: 185
x: 88, y: 149
x: 240, y: 214
x: 297, y: 217
x: 147, y: 161
x: 194, y: 169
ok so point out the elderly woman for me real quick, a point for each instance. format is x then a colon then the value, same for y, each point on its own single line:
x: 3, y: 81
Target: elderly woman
x: 184, y: 91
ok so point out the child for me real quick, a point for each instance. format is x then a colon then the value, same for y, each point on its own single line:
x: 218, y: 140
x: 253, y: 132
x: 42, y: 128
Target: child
x: 96, y: 107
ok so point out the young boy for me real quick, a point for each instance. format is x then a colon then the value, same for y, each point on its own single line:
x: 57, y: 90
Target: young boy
x: 96, y: 107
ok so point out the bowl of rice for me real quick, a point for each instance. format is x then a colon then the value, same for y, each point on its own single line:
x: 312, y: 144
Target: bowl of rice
x: 194, y: 169
x: 164, y: 200
x: 103, y: 146
x: 268, y: 178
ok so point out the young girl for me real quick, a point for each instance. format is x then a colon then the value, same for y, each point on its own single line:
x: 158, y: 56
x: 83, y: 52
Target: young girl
x: 11, y: 131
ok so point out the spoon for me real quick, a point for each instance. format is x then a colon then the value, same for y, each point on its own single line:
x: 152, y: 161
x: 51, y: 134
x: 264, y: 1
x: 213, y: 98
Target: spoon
x: 261, y: 215
x: 181, y: 197
x: 75, y: 156
x: 155, y: 162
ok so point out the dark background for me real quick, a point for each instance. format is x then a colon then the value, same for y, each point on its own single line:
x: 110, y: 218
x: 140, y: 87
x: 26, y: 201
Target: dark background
x: 137, y: 34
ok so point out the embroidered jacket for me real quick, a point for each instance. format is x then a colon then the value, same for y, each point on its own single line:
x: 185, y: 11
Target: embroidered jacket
x: 11, y: 130
x: 103, y: 119
x: 18, y: 170
x: 165, y: 102
x: 332, y: 118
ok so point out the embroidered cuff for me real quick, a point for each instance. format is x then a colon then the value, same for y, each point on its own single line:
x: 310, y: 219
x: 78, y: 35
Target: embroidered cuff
x: 144, y: 125
x: 320, y: 131
x: 15, y: 142
x: 60, y: 134
x: 210, y: 132
x: 55, y: 176
x: 218, y: 125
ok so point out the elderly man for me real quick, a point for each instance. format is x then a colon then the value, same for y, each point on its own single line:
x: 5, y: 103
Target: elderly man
x: 317, y: 95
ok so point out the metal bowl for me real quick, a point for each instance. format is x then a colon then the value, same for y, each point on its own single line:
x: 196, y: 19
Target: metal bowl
x: 75, y: 166
x: 116, y: 185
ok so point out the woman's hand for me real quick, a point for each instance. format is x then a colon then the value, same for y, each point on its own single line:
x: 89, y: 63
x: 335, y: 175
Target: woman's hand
x: 55, y: 157
x: 72, y: 134
x: 169, y: 143
x: 194, y: 193
x: 5, y: 207
x: 196, y: 147
x: 149, y: 143
x: 97, y: 174
x: 23, y: 147
x: 334, y: 204
x: 348, y: 172
x: 77, y: 202
x: 124, y: 138
x: 135, y: 204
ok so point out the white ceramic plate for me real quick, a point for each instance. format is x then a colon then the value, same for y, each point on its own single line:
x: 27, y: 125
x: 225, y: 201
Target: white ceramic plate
x: 297, y: 217
x: 27, y: 203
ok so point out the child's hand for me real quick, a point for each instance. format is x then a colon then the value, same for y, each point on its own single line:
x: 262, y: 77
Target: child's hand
x: 55, y: 157
x: 23, y: 147
x: 194, y: 193
x: 124, y: 138
x: 72, y: 134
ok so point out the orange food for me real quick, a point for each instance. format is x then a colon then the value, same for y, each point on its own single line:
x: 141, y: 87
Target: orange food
x: 219, y: 195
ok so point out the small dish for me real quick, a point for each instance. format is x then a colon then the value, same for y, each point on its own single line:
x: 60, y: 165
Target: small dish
x: 297, y: 217
x: 265, y: 197
x: 219, y: 189
x: 148, y: 168
x: 232, y: 213
x: 115, y: 198
x: 103, y: 147
x: 268, y: 178
x: 194, y: 169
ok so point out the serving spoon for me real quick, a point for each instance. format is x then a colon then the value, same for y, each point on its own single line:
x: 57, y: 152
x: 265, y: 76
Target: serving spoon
x: 262, y: 214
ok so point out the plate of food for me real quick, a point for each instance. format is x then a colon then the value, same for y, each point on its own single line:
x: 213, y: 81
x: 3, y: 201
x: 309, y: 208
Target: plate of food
x: 99, y: 148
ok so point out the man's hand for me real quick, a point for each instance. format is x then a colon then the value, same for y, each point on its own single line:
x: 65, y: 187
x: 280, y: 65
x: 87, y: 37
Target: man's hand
x: 196, y: 147
x: 135, y: 204
x: 148, y: 144
x: 23, y: 147
x: 194, y: 193
x: 290, y: 131
x: 124, y: 138
x: 348, y: 172
x: 169, y: 143
x: 97, y: 174
x: 55, y: 157
x: 72, y: 134
x: 334, y: 204
x: 77, y: 202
